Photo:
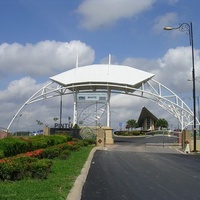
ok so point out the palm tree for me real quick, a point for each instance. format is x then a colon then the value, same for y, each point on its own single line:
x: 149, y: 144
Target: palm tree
x: 132, y: 123
x: 162, y: 123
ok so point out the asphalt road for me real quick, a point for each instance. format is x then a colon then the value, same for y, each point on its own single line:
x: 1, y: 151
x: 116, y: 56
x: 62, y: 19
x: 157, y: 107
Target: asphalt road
x: 129, y: 170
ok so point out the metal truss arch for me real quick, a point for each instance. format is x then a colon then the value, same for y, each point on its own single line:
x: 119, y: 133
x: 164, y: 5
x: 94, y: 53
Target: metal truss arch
x: 150, y: 89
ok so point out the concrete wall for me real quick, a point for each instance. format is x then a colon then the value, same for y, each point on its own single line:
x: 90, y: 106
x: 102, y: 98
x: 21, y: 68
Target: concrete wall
x: 187, y: 137
x: 192, y: 145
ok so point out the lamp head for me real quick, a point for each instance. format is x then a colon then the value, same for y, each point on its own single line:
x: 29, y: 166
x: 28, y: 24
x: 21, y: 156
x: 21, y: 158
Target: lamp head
x: 168, y: 28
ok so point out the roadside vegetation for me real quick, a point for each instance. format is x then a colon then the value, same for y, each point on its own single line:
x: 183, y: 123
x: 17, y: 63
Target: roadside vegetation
x: 19, y: 179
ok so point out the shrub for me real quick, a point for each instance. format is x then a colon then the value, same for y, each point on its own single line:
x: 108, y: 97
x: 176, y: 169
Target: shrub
x: 65, y: 154
x: 20, y: 167
x: 50, y: 152
x: 74, y: 147
x: 1, y: 154
x: 38, y: 142
x: 63, y: 146
x: 43, y: 141
x: 41, y: 168
x: 13, y: 169
x: 12, y: 146
x: 5, y: 170
x: 55, y: 139
x: 75, y: 139
x: 82, y: 143
x: 90, y: 140
x: 69, y: 138
x: 35, y: 153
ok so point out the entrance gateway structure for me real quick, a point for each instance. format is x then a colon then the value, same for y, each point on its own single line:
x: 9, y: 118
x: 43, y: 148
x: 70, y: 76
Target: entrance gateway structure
x: 105, y: 79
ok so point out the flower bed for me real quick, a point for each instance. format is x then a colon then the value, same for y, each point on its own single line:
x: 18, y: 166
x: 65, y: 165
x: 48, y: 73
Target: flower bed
x: 37, y: 163
x: 12, y: 146
x: 17, y: 168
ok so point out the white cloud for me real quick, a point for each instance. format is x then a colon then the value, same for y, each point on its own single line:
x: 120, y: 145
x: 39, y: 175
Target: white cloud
x: 97, y: 13
x: 14, y: 96
x: 19, y: 90
x: 17, y: 93
x: 169, y: 19
x: 172, y: 2
x: 172, y: 70
x: 44, y: 58
x: 176, y: 68
x: 141, y: 63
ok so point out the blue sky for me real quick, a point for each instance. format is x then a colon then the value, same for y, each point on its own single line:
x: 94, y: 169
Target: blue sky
x: 41, y: 38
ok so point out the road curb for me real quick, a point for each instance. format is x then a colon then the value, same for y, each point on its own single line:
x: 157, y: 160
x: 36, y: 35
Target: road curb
x: 75, y: 192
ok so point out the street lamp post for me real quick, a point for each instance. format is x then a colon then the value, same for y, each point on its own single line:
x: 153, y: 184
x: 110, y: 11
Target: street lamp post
x: 185, y: 27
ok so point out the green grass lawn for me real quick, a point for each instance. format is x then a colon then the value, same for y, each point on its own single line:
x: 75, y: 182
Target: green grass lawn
x: 56, y: 187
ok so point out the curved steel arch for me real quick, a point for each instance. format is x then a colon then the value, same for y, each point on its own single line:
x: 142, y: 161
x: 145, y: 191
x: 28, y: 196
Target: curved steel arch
x: 151, y: 89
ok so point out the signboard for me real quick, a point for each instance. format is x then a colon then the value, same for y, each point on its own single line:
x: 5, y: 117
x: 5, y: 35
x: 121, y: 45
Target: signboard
x: 91, y: 97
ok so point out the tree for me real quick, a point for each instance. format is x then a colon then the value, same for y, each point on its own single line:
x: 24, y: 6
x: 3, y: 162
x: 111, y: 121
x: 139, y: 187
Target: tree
x: 55, y: 119
x: 127, y: 126
x: 162, y: 123
x: 39, y: 123
x: 69, y: 119
x: 131, y: 123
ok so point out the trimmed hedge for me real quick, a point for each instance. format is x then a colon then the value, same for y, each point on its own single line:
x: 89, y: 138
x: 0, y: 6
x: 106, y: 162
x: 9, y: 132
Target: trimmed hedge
x: 20, y: 167
x: 37, y: 163
x: 41, y: 168
x: 11, y: 146
x: 42, y: 141
x: 129, y: 133
x: 65, y: 154
x: 50, y: 153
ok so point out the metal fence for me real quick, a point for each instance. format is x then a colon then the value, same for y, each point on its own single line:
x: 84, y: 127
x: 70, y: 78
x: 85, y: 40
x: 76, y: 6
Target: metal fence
x: 162, y: 138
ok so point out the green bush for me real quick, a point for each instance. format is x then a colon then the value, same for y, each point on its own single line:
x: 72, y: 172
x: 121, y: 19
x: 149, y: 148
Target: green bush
x: 74, y: 147
x: 12, y: 146
x: 90, y: 140
x: 15, y: 168
x: 43, y: 141
x: 51, y: 152
x: 5, y: 170
x: 1, y: 154
x: 41, y: 168
x: 56, y: 139
x: 129, y: 133
x: 63, y: 146
x: 69, y: 138
x: 38, y: 142
x: 82, y: 143
x: 20, y: 167
x: 65, y: 154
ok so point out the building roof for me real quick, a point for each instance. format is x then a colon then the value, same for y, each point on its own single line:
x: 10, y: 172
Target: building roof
x: 144, y: 114
x: 102, y: 74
